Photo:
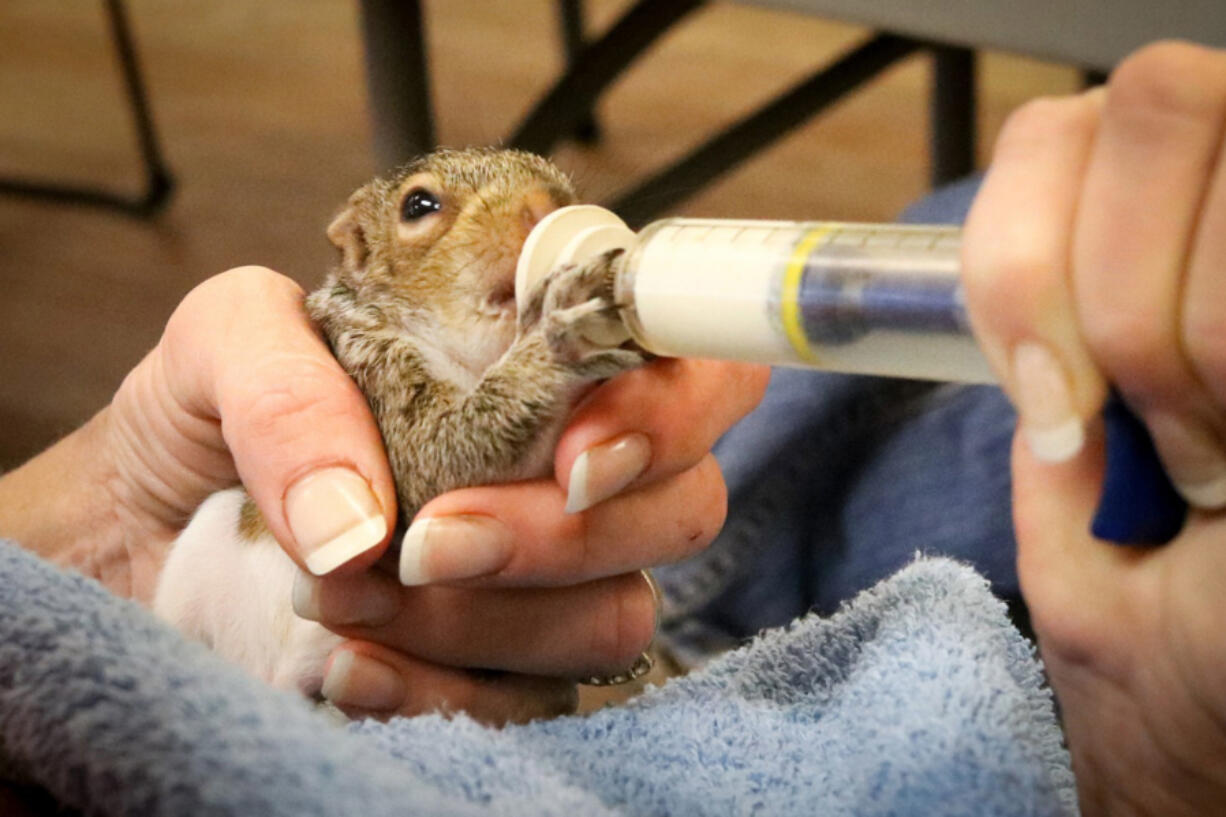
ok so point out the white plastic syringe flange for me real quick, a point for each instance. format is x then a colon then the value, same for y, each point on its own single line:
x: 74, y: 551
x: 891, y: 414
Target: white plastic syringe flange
x: 572, y: 235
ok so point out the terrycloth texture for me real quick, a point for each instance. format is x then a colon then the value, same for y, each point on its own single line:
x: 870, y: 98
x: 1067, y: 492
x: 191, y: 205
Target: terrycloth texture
x: 917, y: 699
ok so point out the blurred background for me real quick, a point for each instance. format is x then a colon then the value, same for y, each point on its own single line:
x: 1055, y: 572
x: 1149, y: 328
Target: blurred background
x: 262, y: 113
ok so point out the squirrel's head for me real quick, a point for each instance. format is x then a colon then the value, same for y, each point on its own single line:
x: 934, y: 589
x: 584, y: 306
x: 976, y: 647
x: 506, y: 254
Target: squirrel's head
x: 444, y: 233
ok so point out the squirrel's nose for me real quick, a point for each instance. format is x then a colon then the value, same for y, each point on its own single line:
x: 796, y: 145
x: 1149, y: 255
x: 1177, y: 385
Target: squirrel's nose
x: 536, y: 205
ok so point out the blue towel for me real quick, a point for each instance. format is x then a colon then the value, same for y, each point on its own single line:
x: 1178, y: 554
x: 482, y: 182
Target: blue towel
x: 918, y: 698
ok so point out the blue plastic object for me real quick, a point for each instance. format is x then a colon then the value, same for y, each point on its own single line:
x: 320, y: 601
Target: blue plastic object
x: 1139, y: 505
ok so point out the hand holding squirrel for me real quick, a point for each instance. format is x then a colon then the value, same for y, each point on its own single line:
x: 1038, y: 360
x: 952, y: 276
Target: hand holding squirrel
x: 242, y: 385
x: 465, y: 392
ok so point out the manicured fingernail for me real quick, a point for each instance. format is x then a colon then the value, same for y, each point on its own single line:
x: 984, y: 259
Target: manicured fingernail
x: 1053, y: 430
x: 446, y: 548
x: 334, y: 516
x: 657, y: 597
x: 1209, y: 494
x: 604, y: 470
x: 1193, y: 458
x: 358, y: 599
x: 363, y: 682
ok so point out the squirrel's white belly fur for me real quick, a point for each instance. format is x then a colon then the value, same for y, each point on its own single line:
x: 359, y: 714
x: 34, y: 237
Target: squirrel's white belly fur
x: 233, y: 594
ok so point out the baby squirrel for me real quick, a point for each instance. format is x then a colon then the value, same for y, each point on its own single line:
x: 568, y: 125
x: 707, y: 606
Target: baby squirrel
x: 466, y: 390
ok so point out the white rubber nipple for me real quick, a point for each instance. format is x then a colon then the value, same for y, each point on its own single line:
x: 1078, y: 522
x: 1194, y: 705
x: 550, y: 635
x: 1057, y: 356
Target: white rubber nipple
x: 572, y: 235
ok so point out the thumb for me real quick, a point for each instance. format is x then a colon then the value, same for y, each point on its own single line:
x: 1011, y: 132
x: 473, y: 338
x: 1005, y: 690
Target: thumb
x: 241, y: 351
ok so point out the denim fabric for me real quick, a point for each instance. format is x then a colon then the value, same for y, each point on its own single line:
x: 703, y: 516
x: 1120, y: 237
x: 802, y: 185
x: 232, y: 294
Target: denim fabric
x: 836, y: 482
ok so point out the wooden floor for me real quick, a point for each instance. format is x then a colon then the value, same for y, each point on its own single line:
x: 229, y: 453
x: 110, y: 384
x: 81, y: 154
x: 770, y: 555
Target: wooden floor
x: 262, y: 110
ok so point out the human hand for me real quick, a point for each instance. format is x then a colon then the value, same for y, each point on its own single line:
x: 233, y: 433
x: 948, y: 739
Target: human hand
x: 241, y: 385
x: 503, y: 578
x: 1095, y: 254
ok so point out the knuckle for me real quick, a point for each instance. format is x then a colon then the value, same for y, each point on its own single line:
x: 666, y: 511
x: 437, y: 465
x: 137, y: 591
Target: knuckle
x: 207, y: 313
x: 717, y: 503
x: 1008, y: 281
x: 248, y: 284
x: 1126, y: 341
x: 754, y: 380
x: 708, y: 504
x: 706, y: 397
x: 473, y: 698
x: 1204, y: 340
x: 269, y: 407
x: 580, y: 557
x: 1042, y: 122
x: 1011, y: 268
x: 276, y: 398
x: 1017, y: 266
x: 1169, y: 80
x: 255, y: 275
x: 743, y: 384
x: 627, y: 629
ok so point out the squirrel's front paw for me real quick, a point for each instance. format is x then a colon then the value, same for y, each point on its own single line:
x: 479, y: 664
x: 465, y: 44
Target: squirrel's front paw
x: 571, y: 285
x: 573, y: 308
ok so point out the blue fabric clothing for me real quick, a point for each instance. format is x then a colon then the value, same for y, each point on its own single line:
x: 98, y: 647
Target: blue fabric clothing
x: 917, y: 699
x: 835, y: 482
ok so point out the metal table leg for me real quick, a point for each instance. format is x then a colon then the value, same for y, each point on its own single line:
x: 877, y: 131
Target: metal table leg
x: 158, y: 181
x: 746, y: 137
x: 953, y: 114
x: 570, y: 14
x: 398, y: 80
x: 571, y: 98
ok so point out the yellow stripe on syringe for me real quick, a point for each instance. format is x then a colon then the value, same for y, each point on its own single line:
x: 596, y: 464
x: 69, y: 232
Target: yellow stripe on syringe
x: 789, y: 300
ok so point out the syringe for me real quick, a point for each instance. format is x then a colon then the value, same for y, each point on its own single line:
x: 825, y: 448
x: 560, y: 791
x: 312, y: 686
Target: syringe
x: 860, y: 298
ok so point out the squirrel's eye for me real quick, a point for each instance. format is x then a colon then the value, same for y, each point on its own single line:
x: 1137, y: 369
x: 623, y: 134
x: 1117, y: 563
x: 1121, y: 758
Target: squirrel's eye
x: 419, y: 203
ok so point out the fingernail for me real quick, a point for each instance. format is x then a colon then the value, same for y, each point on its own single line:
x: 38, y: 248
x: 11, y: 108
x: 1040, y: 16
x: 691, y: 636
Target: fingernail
x: 1193, y: 458
x: 446, y: 548
x: 1053, y: 430
x: 657, y: 597
x: 363, y: 682
x: 334, y: 516
x: 604, y: 470
x: 344, y: 599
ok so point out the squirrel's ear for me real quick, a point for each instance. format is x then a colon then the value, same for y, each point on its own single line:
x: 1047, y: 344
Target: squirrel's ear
x: 347, y: 234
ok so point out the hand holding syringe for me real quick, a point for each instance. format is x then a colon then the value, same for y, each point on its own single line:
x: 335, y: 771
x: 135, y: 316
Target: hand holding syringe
x: 860, y: 298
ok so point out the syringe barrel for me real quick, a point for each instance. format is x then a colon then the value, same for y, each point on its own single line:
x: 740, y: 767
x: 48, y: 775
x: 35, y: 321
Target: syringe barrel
x: 863, y: 298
